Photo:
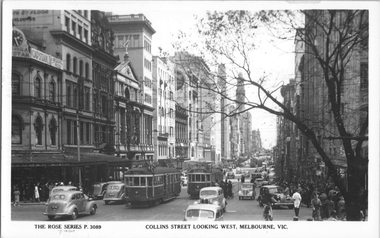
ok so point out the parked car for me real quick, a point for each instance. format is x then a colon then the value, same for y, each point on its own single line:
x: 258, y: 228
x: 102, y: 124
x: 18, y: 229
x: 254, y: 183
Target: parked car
x: 276, y: 195
x: 247, y: 190
x: 230, y: 174
x: 97, y: 190
x: 69, y: 203
x: 183, y: 180
x: 114, y: 192
x: 212, y: 195
x: 203, y: 212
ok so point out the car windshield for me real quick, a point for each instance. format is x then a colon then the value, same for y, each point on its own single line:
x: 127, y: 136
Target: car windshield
x: 246, y: 186
x: 208, y: 193
x: 58, y: 197
x: 194, y: 213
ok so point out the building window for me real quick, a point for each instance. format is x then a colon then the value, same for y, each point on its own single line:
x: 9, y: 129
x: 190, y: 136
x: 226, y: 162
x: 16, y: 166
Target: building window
x: 51, y: 91
x: 73, y: 27
x: 127, y: 96
x: 68, y: 62
x: 136, y: 41
x: 364, y: 75
x: 120, y: 41
x: 67, y: 23
x: 16, y: 130
x: 75, y: 65
x: 80, y: 68
x: 68, y: 96
x: 68, y: 132
x: 104, y: 105
x: 85, y: 13
x: 38, y: 127
x: 16, y: 79
x: 87, y: 99
x: 80, y: 32
x: 75, y: 101
x: 88, y: 133
x: 53, y: 131
x: 37, y: 87
x: 85, y: 34
x: 81, y: 129
x: 87, y: 70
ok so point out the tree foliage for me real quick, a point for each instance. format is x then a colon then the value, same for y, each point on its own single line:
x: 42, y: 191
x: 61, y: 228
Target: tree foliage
x: 336, y: 43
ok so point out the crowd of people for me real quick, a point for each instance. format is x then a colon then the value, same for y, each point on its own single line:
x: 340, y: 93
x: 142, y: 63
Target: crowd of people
x: 326, y: 200
x: 35, y: 192
x: 228, y: 188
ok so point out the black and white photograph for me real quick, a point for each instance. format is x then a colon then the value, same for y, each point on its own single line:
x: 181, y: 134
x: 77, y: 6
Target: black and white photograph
x: 190, y: 119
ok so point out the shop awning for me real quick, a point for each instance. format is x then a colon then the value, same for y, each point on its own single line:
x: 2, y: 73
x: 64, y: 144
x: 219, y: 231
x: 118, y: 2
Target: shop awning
x: 46, y: 160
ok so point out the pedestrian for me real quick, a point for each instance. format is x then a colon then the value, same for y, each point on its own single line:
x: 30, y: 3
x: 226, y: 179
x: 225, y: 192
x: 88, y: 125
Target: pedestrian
x: 268, y: 212
x: 16, y: 194
x: 330, y: 207
x: 229, y: 189
x: 36, y: 193
x: 316, y: 205
x: 323, y: 209
x: 50, y: 187
x: 341, y: 208
x: 297, y: 202
x: 242, y: 179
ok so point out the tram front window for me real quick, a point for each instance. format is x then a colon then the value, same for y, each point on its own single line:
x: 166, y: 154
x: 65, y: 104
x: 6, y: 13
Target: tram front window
x: 150, y: 181
x: 143, y: 183
x: 197, y: 177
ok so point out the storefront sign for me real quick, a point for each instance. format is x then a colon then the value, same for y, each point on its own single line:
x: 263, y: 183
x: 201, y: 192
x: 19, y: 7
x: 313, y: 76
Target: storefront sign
x: 23, y: 52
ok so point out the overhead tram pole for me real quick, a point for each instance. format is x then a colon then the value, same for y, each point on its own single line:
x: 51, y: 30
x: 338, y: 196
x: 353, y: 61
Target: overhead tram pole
x: 78, y: 144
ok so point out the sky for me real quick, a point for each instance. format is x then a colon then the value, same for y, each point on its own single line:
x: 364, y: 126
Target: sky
x: 168, y: 21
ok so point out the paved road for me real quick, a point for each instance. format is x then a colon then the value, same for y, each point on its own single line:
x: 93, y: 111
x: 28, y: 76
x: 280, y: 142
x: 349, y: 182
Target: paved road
x: 237, y: 210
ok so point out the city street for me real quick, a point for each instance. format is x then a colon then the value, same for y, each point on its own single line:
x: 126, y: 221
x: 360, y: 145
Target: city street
x: 237, y: 210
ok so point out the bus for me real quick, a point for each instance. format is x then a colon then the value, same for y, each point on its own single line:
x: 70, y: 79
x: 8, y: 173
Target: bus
x: 200, y: 175
x: 151, y: 186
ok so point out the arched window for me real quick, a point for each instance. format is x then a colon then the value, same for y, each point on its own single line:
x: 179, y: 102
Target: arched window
x: 87, y: 100
x: 80, y: 68
x: 75, y: 65
x: 51, y: 91
x: 38, y: 127
x: 68, y: 62
x: 68, y: 96
x: 37, y: 87
x: 75, y: 101
x: 53, y: 131
x: 16, y: 79
x: 16, y: 130
x: 87, y: 70
x: 127, y: 96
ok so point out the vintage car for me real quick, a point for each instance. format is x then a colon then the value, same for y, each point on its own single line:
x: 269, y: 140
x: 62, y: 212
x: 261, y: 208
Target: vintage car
x: 97, y: 190
x: 114, y: 192
x: 212, y: 195
x: 183, y: 180
x: 261, y: 182
x: 230, y: 174
x: 276, y: 196
x: 203, y: 212
x: 247, y: 190
x: 69, y: 203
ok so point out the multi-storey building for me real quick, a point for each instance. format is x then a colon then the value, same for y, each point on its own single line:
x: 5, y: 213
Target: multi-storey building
x: 164, y: 115
x: 84, y: 58
x: 135, y: 32
x: 181, y: 135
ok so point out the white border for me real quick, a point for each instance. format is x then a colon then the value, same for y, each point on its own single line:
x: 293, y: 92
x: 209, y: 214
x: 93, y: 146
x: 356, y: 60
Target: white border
x: 137, y: 229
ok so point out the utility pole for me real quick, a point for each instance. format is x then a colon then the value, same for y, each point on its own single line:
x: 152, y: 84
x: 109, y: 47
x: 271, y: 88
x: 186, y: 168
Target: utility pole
x: 78, y: 144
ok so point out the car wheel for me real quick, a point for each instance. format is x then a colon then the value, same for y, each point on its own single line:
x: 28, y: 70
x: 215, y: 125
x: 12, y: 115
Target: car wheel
x: 106, y: 202
x: 74, y: 215
x: 93, y: 210
x: 51, y: 217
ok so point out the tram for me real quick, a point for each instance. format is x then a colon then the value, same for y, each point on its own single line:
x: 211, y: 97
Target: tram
x: 150, y: 187
x: 200, y: 176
